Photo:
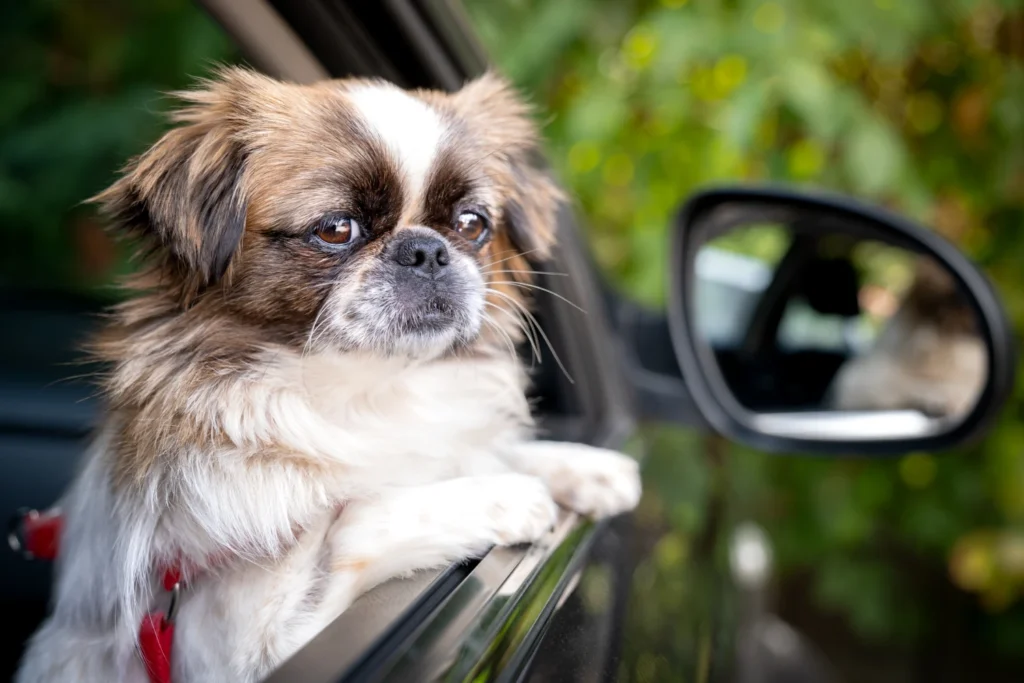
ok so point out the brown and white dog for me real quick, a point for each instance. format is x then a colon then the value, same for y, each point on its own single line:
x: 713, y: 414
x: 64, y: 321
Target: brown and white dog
x: 928, y: 357
x: 322, y: 324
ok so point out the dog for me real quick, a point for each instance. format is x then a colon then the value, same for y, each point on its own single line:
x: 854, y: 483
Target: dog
x: 929, y: 356
x: 310, y: 388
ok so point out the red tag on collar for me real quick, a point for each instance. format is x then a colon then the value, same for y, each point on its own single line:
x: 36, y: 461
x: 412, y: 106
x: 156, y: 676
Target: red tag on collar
x: 40, y: 533
x: 156, y: 638
x: 172, y: 577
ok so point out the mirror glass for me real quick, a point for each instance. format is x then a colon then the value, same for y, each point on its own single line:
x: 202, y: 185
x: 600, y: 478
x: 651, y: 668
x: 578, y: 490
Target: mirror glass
x: 823, y: 328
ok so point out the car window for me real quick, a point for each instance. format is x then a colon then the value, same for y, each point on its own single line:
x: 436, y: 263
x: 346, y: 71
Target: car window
x: 883, y: 272
x: 732, y: 273
x: 804, y: 329
x: 95, y: 96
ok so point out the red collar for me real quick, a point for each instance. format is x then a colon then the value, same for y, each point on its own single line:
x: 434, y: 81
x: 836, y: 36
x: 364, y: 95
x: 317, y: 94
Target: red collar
x: 37, y: 535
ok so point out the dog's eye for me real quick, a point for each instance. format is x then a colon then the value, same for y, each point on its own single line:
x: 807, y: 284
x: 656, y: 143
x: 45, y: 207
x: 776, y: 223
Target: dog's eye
x: 337, y: 231
x: 471, y: 225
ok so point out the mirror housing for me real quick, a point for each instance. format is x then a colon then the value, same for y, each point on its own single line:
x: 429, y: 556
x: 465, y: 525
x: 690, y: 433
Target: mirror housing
x: 889, y: 431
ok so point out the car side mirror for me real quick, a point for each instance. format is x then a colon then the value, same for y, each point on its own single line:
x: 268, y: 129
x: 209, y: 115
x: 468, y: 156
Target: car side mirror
x: 816, y: 323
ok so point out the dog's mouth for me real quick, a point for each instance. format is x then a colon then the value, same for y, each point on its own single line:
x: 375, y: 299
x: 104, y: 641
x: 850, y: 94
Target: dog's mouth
x: 432, y: 306
x: 435, y: 314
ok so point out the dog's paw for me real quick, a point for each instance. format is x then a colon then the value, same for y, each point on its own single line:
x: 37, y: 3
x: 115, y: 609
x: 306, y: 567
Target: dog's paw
x: 593, y: 481
x: 517, y: 508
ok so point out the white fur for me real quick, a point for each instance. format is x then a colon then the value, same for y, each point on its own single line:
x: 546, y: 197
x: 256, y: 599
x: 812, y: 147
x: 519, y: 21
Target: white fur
x: 412, y: 130
x: 423, y: 454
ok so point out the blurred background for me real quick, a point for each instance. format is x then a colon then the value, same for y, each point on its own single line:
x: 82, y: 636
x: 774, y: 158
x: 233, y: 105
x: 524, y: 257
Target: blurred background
x: 914, y: 104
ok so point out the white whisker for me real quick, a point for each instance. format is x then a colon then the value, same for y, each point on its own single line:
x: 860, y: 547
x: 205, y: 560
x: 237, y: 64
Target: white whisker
x: 527, y: 331
x: 525, y: 272
x: 493, y: 324
x: 527, y: 285
x: 312, y: 330
x: 514, y: 255
x: 536, y: 325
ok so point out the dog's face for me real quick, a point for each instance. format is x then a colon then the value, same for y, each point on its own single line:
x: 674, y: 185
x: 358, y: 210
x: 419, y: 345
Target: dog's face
x: 347, y: 215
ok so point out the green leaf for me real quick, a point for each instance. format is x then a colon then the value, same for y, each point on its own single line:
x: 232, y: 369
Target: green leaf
x: 874, y: 157
x: 810, y: 91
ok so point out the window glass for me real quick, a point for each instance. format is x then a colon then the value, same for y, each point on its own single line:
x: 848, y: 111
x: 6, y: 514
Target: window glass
x: 732, y: 272
x: 883, y: 272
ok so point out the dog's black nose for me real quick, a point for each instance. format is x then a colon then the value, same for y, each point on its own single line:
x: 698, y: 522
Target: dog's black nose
x: 425, y: 255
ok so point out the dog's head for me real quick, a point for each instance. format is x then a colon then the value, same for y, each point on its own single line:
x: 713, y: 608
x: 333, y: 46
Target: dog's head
x: 348, y: 215
x: 936, y: 301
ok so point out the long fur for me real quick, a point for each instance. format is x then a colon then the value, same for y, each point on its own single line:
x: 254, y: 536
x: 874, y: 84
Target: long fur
x: 285, y: 420
x: 928, y: 357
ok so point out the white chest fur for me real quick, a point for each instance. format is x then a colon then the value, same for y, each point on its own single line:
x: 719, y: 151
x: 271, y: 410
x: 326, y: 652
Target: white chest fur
x: 436, y: 417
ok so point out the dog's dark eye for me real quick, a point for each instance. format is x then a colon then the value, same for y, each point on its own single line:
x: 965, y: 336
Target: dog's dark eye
x: 471, y: 225
x: 337, y: 231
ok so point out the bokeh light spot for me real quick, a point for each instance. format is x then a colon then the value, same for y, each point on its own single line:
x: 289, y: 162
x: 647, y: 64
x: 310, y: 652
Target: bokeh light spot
x: 618, y: 169
x: 917, y: 470
x: 583, y: 157
x: 805, y: 159
x: 924, y: 112
x: 729, y: 72
x: 769, y: 17
x: 639, y: 47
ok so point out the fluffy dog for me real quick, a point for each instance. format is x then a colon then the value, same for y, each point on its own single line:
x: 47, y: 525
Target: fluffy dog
x: 928, y: 357
x: 310, y: 388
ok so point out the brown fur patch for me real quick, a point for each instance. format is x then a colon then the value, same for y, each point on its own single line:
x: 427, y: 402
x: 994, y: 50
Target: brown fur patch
x: 936, y: 300
x: 354, y: 565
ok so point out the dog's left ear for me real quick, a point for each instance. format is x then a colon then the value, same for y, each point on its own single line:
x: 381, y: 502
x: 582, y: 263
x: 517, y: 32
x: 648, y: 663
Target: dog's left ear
x: 504, y: 124
x: 184, y: 196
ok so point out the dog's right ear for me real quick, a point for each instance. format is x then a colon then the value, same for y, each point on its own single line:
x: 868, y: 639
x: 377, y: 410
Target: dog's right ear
x: 185, y: 197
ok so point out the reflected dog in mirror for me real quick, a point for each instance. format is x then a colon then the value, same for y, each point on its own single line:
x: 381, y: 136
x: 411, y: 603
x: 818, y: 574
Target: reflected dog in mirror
x: 809, y: 322
x: 928, y: 357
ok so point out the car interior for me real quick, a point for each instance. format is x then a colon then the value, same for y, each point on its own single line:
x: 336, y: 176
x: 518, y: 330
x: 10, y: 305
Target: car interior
x: 769, y: 370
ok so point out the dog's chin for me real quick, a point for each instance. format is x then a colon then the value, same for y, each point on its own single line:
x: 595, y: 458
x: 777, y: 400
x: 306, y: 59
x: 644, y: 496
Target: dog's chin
x: 433, y: 329
x: 415, y: 327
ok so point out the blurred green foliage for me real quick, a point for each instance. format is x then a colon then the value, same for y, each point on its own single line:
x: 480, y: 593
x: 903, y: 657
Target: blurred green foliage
x: 914, y: 104
x: 82, y: 87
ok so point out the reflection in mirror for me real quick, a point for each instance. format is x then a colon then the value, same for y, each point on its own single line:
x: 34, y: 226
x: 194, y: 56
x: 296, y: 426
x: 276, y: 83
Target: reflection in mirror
x: 821, y: 329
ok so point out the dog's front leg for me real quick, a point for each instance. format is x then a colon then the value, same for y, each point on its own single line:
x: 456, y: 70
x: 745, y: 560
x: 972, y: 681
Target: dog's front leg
x: 592, y: 481
x: 405, y: 529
